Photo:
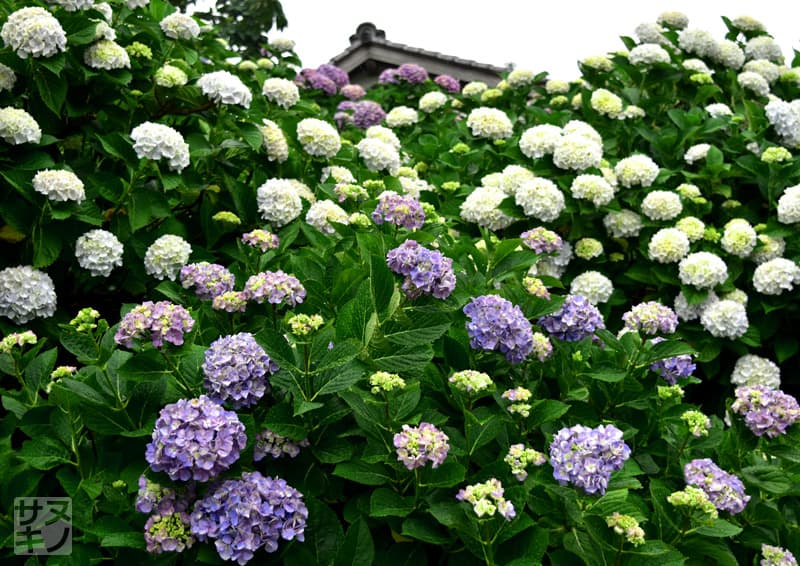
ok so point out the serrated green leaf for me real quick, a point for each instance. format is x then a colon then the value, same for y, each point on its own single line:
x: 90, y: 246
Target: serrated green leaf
x: 363, y: 473
x: 387, y: 503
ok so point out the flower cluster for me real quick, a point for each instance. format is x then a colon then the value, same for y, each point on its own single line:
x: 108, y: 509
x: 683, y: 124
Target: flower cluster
x: 209, y: 279
x: 274, y: 141
x: 160, y: 322
x: 26, y: 293
x: 627, y: 526
x: 235, y: 369
x: 668, y: 245
x: 518, y: 397
x: 586, y: 457
x: 497, y: 324
x: 379, y: 155
x: 304, y: 324
x: 575, y: 320
x: 400, y: 116
x: 622, y: 224
x: 673, y: 368
x: 755, y: 370
x: 471, y: 381
x: 279, y: 201
x: 487, y: 499
x: 694, y: 498
x: 489, y: 123
x: 519, y: 458
x: 275, y: 287
x: 170, y: 76
x: 776, y: 556
x: 33, y: 32
x: 250, y: 513
x: 166, y: 256
x: 480, y: 207
x: 725, y: 319
x: 636, y: 170
x: 179, y: 26
x: 540, y: 199
x: 383, y: 381
x: 323, y: 212
x: 651, y: 317
x: 698, y: 423
x: 17, y: 126
x: 541, y: 240
x: 225, y: 88
x: 107, y: 54
x: 425, y: 271
x: 593, y: 188
x: 16, y: 339
x: 155, y: 141
x: 318, y: 138
x: 421, y: 444
x: 269, y: 443
x: 282, y: 92
x: 400, y: 210
x: 592, y: 285
x: 723, y: 489
x: 703, y: 270
x: 195, y: 439
x: 98, y: 251
x: 59, y: 185
x: 766, y: 411
x: 775, y: 276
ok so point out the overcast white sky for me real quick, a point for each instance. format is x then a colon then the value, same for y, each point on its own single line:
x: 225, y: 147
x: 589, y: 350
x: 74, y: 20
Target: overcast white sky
x: 548, y: 35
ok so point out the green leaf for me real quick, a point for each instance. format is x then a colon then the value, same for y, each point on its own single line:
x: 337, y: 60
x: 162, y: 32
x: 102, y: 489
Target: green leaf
x: 664, y: 350
x: 545, y: 411
x: 332, y: 450
x: 357, y: 548
x: 608, y: 374
x: 47, y: 246
x: 251, y: 135
x: 654, y: 552
x: 386, y: 503
x: 146, y: 206
x: 422, y: 528
x: 407, y: 361
x: 82, y: 346
x: 277, y: 347
x: 38, y: 371
x: 280, y: 420
x: 720, y: 528
x: 448, y: 474
x: 52, y: 90
x: 80, y: 390
x: 363, y: 473
x: 357, y: 318
x: 124, y: 540
x: 403, y: 403
x: 117, y: 146
x: 771, y: 479
x: 43, y: 453
x: 423, y: 328
x: 340, y: 380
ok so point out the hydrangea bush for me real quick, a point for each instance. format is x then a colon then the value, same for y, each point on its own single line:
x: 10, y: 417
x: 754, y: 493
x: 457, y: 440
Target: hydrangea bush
x: 253, y: 312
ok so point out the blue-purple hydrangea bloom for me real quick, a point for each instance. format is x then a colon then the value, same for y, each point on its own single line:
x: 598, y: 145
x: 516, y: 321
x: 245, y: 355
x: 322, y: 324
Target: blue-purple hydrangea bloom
x: 766, y: 411
x: 426, y: 271
x: 497, y: 324
x: 400, y: 210
x: 541, y: 240
x: 448, y: 83
x: 673, y: 368
x: 651, y: 318
x: 275, y: 287
x: 236, y: 369
x: 273, y: 444
x: 367, y: 113
x: 160, y: 322
x: 724, y: 490
x: 418, y: 445
x: 412, y: 73
x: 586, y: 457
x: 575, y: 320
x: 208, y: 279
x: 195, y: 439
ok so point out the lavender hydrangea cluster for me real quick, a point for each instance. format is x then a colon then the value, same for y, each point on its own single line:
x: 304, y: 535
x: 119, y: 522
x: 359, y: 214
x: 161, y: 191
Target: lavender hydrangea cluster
x: 250, y: 513
x: 270, y: 443
x: 412, y: 73
x: 236, y: 370
x: 312, y: 78
x: 160, y: 322
x: 426, y: 272
x: 497, y: 324
x: 724, y: 490
x: 586, y: 457
x: 275, y: 287
x: 575, y: 320
x: 766, y: 411
x: 448, y: 83
x: 167, y: 529
x: 418, y: 445
x: 651, y: 318
x: 400, y: 210
x: 362, y: 114
x: 776, y: 556
x: 541, y: 240
x: 261, y: 239
x: 673, y: 368
x: 195, y: 439
x: 208, y: 279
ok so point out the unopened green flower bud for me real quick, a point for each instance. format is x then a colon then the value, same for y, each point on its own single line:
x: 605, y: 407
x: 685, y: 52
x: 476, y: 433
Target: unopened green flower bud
x: 385, y: 381
x: 698, y: 423
x: 85, y: 320
x: 460, y: 148
x: 303, y: 324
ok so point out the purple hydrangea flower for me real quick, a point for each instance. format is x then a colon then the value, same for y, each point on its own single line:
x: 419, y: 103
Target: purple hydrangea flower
x: 163, y: 500
x: 674, y: 368
x: 418, y: 445
x: 412, y: 73
x: 353, y: 92
x: 388, y: 76
x: 195, y: 439
x: 275, y: 287
x: 586, y: 457
x: 426, y: 271
x: 724, y: 490
x: 776, y: 556
x: 275, y: 445
x: 261, y: 239
x: 497, y: 324
x: 312, y: 78
x: 367, y: 114
x: 400, y: 210
x: 575, y: 320
x: 766, y: 411
x: 209, y: 279
x: 236, y: 370
x: 230, y: 301
x: 541, y: 240
x: 168, y: 531
x: 651, y: 317
x: 334, y: 73
x: 244, y: 515
x: 160, y: 322
x: 448, y: 83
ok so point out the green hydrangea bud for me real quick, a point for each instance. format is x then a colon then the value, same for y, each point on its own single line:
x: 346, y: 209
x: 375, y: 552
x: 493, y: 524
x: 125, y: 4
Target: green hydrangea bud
x: 698, y: 423
x: 17, y: 339
x: 776, y: 155
x: 627, y: 526
x: 137, y: 49
x: 701, y: 79
x: 460, y: 148
x: 86, y: 320
x: 669, y: 392
x: 227, y: 217
x: 588, y: 248
x: 694, y: 498
x: 385, y: 381
x: 450, y: 186
x: 303, y: 324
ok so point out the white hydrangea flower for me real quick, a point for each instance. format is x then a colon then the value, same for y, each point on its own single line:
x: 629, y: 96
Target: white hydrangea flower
x: 697, y: 66
x: 401, y: 116
x: 696, y: 153
x: 105, y: 31
x: 729, y: 54
x: 622, y: 224
x: 768, y: 247
x: 775, y: 276
x: 105, y: 9
x: 133, y: 4
x: 693, y: 227
x: 7, y: 78
x: 17, y: 126
x: 73, y: 5
x: 752, y: 370
x: 274, y: 141
x: 180, y: 26
x: 606, y: 102
x: 688, y: 312
x: 556, y: 86
x: 588, y: 248
x: 648, y: 54
x: 338, y: 173
x: 697, y: 42
x: 753, y: 81
x: 636, y: 170
x: 601, y: 63
x: 764, y: 47
x: 520, y: 78
x: 384, y: 134
x: 26, y: 293
x: 279, y: 201
x: 59, y: 185
x: 489, y: 123
x: 413, y: 187
x: 668, y: 245
x: 170, y: 76
x: 165, y: 257
x: 555, y: 265
x: 432, y: 101
x: 318, y: 138
x: 703, y: 270
x: 480, y: 207
x: 688, y: 191
x: 33, y: 32
x: 767, y: 69
x: 719, y: 109
x: 677, y: 20
x: 541, y: 199
x: 513, y: 176
x: 725, y: 319
x: 788, y: 204
x: 593, y: 188
x: 379, y: 155
x: 108, y: 55
x: 577, y: 152
x: 540, y: 140
x: 98, y: 251
x: 323, y: 212
x: 281, y: 43
x: 225, y: 88
x: 282, y: 92
x: 584, y: 129
x: 785, y: 118
x: 650, y: 32
x: 493, y: 180
x: 748, y: 23
x: 736, y: 295
x: 738, y: 237
x: 474, y: 89
x: 155, y: 141
x: 662, y: 205
x: 593, y: 285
